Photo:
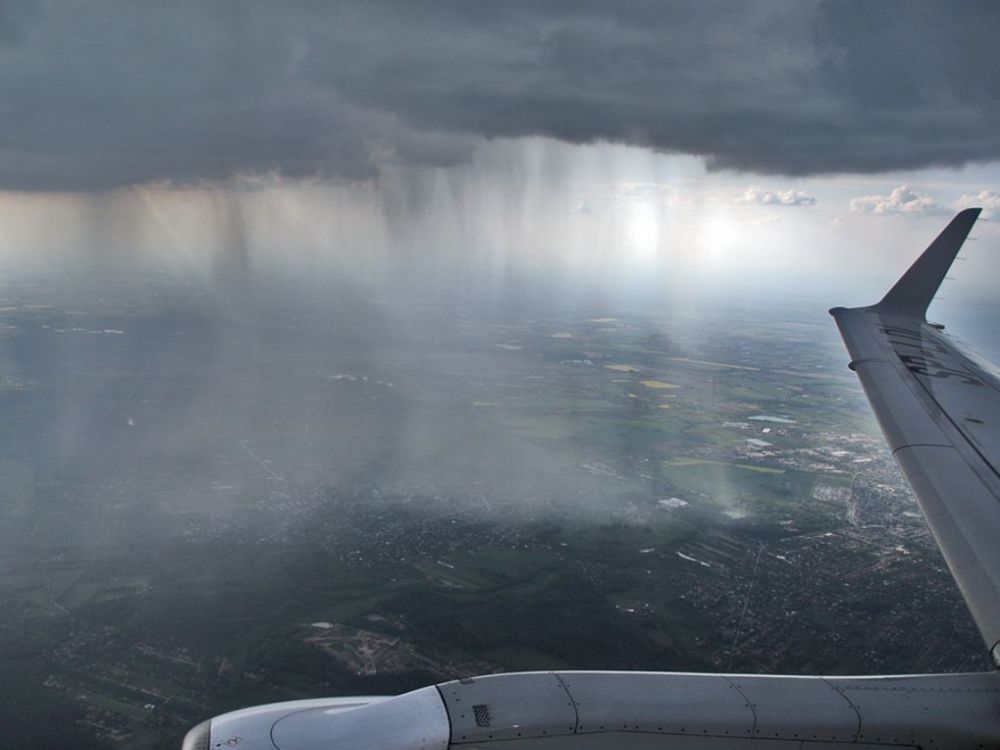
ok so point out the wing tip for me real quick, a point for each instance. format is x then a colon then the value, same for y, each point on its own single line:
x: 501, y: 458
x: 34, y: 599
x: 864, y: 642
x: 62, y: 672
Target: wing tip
x: 913, y: 292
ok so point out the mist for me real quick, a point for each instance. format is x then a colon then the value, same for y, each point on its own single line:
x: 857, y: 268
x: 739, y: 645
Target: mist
x: 310, y: 331
x: 267, y: 311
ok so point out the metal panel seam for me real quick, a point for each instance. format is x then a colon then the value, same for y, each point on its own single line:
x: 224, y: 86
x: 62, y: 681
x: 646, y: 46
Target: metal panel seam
x: 964, y: 438
x: 853, y: 364
x: 270, y: 732
x: 927, y: 445
x: 447, y: 713
x: 857, y: 732
x: 572, y: 702
x: 923, y: 394
x: 748, y: 702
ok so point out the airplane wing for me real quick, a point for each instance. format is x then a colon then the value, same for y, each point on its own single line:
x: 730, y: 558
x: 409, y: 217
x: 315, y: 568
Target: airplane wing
x: 939, y: 408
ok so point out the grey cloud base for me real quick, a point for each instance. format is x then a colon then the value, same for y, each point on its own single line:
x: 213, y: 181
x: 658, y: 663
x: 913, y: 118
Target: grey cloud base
x: 95, y: 96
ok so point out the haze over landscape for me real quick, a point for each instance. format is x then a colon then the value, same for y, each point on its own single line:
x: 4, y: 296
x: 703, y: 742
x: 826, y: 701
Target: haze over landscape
x: 345, y: 348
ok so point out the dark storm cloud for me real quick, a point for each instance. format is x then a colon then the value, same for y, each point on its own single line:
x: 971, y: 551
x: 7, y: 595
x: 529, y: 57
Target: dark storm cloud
x: 94, y: 96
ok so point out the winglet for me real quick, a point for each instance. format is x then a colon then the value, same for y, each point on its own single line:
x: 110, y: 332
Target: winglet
x: 916, y: 288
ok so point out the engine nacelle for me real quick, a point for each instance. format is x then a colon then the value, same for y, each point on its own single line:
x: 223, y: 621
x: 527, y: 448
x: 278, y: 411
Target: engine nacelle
x: 413, y: 721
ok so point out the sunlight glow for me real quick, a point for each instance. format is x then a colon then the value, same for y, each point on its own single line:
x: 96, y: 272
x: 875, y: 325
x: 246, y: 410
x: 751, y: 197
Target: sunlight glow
x: 718, y: 236
x: 642, y: 231
x: 720, y: 233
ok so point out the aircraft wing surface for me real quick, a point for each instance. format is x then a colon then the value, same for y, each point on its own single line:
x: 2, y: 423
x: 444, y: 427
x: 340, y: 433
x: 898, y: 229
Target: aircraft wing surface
x: 939, y: 408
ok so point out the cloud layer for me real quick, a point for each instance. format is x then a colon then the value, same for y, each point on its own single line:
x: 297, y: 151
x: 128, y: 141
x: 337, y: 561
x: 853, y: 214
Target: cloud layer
x: 766, y: 197
x: 98, y: 95
x: 901, y: 200
x: 988, y: 200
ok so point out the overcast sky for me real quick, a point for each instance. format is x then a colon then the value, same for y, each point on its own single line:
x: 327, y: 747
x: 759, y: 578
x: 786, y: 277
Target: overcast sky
x: 102, y: 94
x: 608, y: 133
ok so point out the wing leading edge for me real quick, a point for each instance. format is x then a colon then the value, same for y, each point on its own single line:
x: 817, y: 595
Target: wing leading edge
x: 939, y: 408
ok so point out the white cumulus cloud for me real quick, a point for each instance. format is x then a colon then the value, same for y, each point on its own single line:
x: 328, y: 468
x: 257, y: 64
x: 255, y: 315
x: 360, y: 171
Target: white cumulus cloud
x: 766, y: 197
x: 988, y: 200
x: 902, y: 200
